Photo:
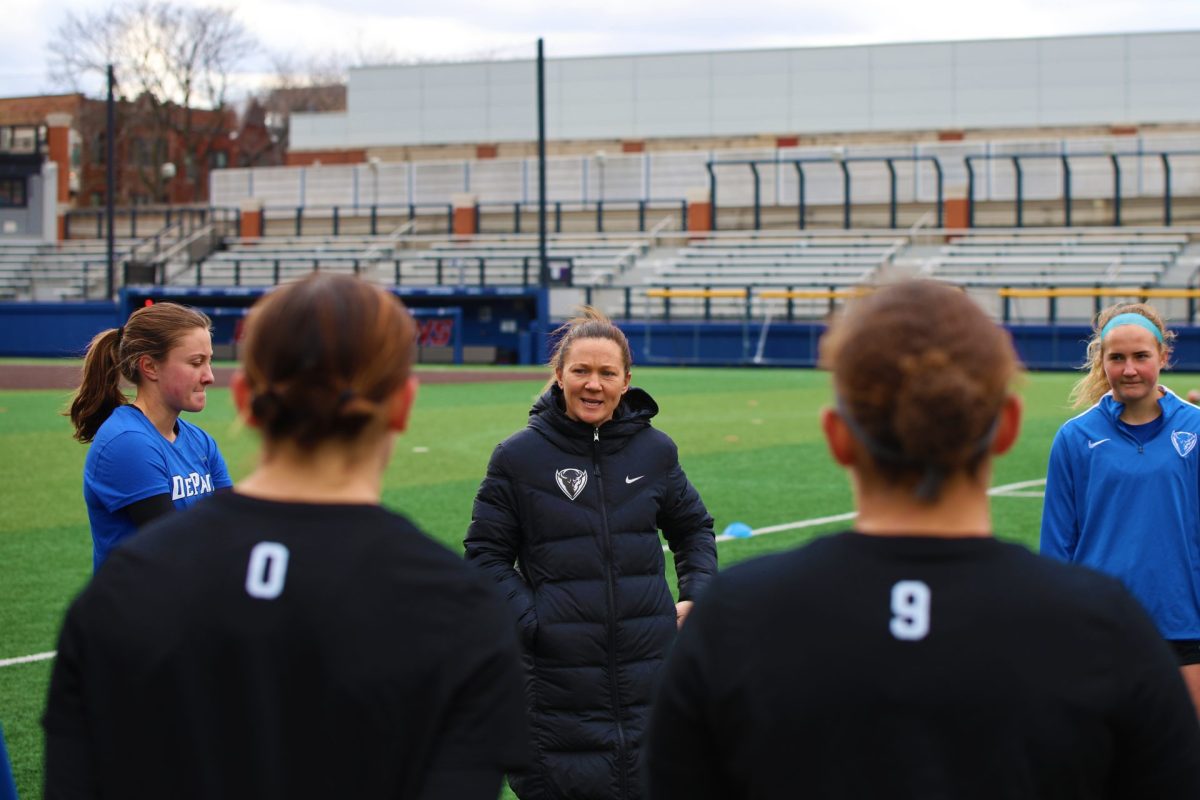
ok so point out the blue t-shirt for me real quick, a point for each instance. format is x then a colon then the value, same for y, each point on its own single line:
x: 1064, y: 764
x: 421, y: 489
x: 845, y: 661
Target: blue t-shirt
x: 1145, y: 432
x: 129, y: 460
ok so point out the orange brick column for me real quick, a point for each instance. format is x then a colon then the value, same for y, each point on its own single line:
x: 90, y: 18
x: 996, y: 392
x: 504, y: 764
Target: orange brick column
x: 466, y: 215
x: 954, y: 208
x: 699, y: 213
x: 58, y: 136
x: 252, y: 219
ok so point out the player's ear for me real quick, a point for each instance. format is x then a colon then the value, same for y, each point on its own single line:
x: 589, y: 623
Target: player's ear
x: 1008, y: 426
x: 401, y: 404
x: 147, y: 367
x: 240, y: 390
x: 837, y: 437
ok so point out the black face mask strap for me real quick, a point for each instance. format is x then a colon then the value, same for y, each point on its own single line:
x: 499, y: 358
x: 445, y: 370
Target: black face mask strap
x: 878, y: 450
x: 933, y: 475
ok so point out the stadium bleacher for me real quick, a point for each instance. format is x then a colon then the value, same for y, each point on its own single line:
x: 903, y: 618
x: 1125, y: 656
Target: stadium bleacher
x: 1047, y: 259
x: 47, y: 271
x: 781, y: 274
x: 416, y: 260
x: 694, y: 280
x: 988, y: 264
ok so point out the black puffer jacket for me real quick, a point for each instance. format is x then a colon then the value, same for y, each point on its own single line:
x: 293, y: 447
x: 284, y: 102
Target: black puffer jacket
x: 577, y: 509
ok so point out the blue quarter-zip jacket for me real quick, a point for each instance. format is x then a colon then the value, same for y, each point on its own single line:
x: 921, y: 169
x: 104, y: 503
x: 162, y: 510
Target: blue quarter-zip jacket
x: 1130, y: 510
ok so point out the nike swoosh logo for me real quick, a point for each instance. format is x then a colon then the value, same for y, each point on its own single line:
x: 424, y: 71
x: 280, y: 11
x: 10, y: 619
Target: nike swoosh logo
x: 1094, y: 445
x: 633, y: 480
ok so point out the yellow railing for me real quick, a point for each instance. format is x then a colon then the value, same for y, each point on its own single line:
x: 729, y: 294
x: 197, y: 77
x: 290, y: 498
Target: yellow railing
x: 1107, y: 291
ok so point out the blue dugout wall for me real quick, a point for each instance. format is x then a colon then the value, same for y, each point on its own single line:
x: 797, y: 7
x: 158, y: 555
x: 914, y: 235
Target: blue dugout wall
x: 52, y: 329
x: 1041, y: 347
x: 503, y: 320
x: 508, y: 320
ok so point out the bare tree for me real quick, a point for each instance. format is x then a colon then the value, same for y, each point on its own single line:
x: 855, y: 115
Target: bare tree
x: 173, y: 62
x: 315, y: 83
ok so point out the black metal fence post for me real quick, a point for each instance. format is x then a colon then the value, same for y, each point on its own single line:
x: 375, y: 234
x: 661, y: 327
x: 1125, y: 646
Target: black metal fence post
x: 712, y: 196
x: 891, y: 168
x: 800, y: 189
x: 1166, y: 162
x: 1020, y: 191
x: 845, y: 192
x: 1066, y: 165
x: 1116, y: 190
x: 941, y: 211
x: 757, y: 197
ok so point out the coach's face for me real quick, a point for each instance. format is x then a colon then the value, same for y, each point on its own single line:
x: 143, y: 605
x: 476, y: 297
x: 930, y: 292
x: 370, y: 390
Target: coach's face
x: 593, y: 378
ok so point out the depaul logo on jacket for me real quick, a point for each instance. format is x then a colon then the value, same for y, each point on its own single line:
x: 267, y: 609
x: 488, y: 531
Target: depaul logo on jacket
x: 572, y: 480
x: 1184, y: 442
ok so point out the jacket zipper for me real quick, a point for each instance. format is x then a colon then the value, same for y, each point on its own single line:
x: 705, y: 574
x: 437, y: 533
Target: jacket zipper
x: 610, y: 591
x: 1129, y: 437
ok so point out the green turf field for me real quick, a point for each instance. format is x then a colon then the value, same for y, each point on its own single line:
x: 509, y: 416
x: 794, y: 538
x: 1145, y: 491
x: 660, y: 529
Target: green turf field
x: 748, y: 439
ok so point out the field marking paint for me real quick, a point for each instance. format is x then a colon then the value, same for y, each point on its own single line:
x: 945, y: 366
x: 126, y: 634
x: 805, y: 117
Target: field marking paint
x: 791, y: 526
x: 1006, y: 490
x: 1015, y: 489
x: 11, y: 662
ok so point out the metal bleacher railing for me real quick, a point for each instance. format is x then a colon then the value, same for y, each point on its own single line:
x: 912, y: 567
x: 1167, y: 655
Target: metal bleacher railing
x: 1063, y: 162
x: 52, y: 271
x: 1162, y: 167
x: 843, y: 164
x: 419, y: 259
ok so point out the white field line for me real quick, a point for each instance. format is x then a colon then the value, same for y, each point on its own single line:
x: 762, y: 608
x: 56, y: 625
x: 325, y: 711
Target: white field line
x: 1007, y: 490
x: 10, y: 662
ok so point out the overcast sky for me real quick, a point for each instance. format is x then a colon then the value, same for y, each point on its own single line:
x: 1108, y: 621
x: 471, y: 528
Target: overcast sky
x: 464, y: 29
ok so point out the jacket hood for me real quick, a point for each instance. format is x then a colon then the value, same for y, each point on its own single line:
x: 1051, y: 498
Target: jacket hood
x: 549, y: 418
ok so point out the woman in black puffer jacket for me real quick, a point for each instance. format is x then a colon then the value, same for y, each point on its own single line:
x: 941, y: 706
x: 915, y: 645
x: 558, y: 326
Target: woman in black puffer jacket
x: 567, y: 522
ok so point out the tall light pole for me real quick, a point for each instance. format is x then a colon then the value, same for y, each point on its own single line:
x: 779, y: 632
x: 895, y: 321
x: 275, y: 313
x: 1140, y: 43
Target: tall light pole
x: 110, y: 179
x: 544, y: 267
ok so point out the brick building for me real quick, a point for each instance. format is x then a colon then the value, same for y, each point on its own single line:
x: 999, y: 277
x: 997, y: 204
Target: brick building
x: 155, y: 163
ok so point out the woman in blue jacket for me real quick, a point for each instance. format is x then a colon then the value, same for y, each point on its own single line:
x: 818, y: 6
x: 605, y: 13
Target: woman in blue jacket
x: 566, y: 521
x: 1123, y: 483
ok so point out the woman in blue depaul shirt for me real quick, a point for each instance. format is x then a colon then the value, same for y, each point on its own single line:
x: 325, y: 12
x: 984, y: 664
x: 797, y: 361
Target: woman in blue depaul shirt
x: 1123, y: 483
x: 144, y: 460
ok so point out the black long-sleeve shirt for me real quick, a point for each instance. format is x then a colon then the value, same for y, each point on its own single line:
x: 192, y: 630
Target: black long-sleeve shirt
x: 911, y: 667
x: 250, y: 649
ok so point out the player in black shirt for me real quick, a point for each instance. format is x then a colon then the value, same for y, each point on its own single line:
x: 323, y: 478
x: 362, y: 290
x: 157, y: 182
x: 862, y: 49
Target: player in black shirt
x: 916, y: 656
x: 292, y: 638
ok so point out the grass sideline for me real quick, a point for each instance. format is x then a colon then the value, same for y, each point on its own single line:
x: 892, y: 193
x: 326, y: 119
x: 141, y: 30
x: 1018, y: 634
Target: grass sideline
x: 748, y: 439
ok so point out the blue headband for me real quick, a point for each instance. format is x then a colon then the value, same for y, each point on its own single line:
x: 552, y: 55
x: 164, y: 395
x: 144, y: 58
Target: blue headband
x: 1132, y: 319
